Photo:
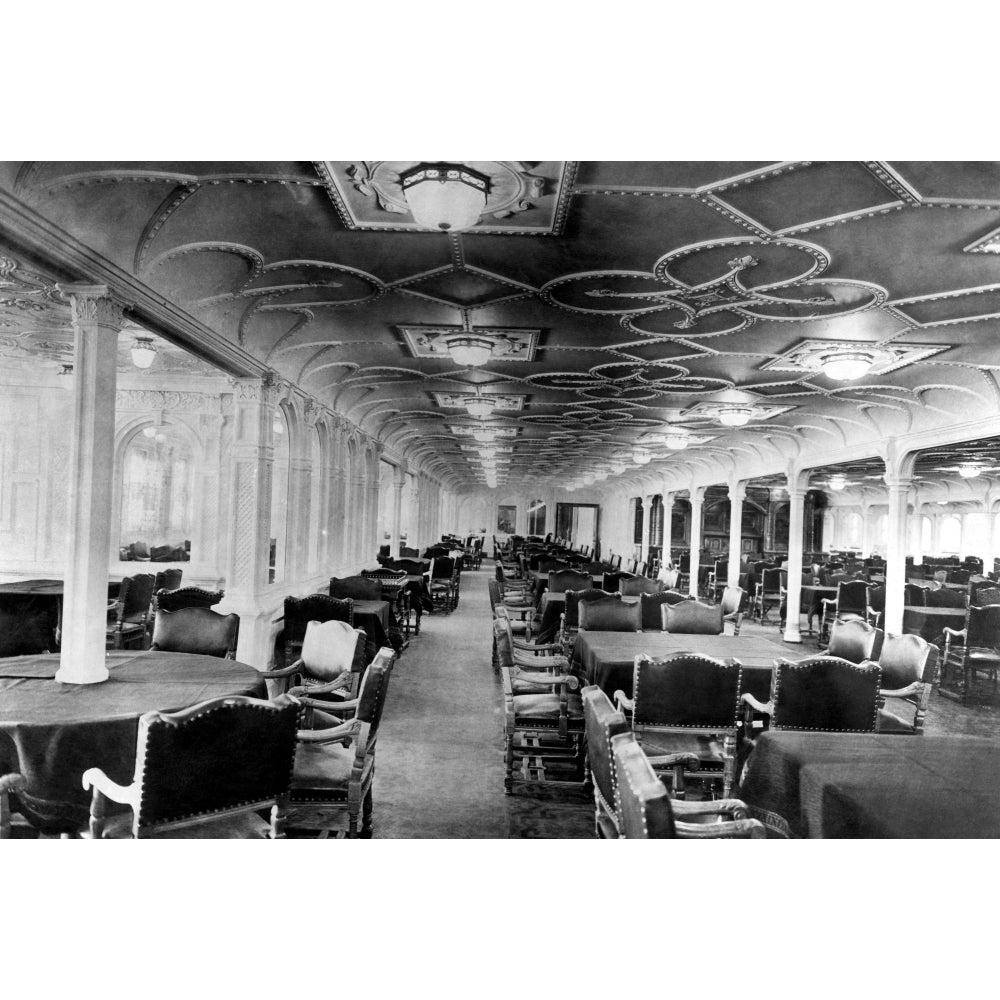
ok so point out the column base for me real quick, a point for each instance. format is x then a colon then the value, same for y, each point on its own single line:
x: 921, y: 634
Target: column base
x: 792, y: 634
x: 73, y: 675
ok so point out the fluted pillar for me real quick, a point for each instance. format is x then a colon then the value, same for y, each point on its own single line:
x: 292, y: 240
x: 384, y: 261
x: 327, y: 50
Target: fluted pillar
x: 668, y: 528
x: 895, y: 557
x: 97, y: 319
x: 737, y: 494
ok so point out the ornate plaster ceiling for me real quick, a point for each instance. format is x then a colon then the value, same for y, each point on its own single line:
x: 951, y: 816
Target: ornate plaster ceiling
x: 639, y: 293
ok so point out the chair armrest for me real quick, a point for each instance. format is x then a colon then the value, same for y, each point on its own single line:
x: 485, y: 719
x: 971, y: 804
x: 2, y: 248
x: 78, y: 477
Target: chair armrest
x: 538, y: 662
x: 549, y: 680
x: 732, y: 807
x: 735, y: 829
x: 343, y: 733
x: 295, y: 668
x: 748, y: 699
x: 689, y: 761
x: 12, y: 783
x: 623, y: 702
x: 303, y: 692
x: 541, y: 647
x: 916, y: 687
x: 955, y: 633
x: 325, y: 706
x: 127, y: 795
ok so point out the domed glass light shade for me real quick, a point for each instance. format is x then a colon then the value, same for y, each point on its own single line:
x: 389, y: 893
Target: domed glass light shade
x: 837, y: 482
x: 446, y: 196
x: 641, y: 456
x: 470, y: 352
x: 967, y: 471
x: 735, y: 416
x: 479, y: 406
x: 143, y: 352
x: 846, y: 366
x: 484, y: 435
x: 677, y: 439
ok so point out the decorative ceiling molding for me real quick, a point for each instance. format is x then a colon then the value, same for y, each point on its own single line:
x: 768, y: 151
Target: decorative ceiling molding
x: 502, y: 402
x: 990, y: 243
x: 368, y: 195
x: 467, y: 430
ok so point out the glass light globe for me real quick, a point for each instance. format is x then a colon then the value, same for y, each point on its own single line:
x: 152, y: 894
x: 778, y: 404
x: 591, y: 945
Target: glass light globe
x: 143, y: 352
x: 484, y: 435
x: 479, y: 406
x: 617, y: 468
x: 968, y: 471
x: 444, y: 196
x: 847, y: 366
x: 735, y: 416
x: 470, y: 351
x: 641, y: 456
x: 676, y: 440
x: 837, y: 482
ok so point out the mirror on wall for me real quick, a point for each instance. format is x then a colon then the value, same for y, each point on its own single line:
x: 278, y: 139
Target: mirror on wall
x: 157, y: 489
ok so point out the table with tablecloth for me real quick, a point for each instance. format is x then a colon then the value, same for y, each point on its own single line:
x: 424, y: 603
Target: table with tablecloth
x: 607, y: 658
x: 550, y: 615
x: 375, y: 617
x: 34, y: 602
x: 52, y: 732
x: 868, y: 785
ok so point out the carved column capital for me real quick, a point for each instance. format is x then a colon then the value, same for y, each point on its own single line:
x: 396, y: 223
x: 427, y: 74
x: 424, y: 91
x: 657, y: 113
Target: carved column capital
x: 95, y: 304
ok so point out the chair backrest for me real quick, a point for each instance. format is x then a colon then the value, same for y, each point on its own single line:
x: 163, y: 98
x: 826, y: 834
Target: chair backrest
x: 853, y: 597
x: 27, y: 627
x: 906, y: 659
x: 686, y: 690
x: 188, y: 597
x: 732, y: 600
x: 405, y: 552
x: 692, y: 618
x: 610, y: 614
x: 651, y: 604
x: 876, y: 598
x: 957, y: 576
x: 167, y: 579
x: 984, y: 595
x: 301, y: 611
x: 644, y: 810
x: 443, y: 567
x: 196, y: 630
x: 358, y: 587
x: 639, y: 585
x: 770, y: 579
x: 568, y: 579
x: 983, y: 625
x: 915, y: 594
x: 855, y: 640
x: 414, y: 567
x: 135, y: 596
x: 946, y: 598
x: 825, y: 693
x: 547, y: 564
x: 602, y: 722
x: 371, y: 697
x: 331, y: 648
x: 574, y: 598
x: 227, y: 754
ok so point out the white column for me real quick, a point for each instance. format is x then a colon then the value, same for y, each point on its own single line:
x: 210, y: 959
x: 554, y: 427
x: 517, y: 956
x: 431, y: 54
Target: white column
x: 97, y: 319
x: 697, y: 499
x: 867, y: 520
x: 398, y: 483
x: 668, y: 526
x: 895, y: 557
x: 648, y: 524
x: 796, y: 507
x: 737, y: 494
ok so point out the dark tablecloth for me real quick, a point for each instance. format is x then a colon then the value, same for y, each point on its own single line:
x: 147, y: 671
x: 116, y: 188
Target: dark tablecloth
x: 374, y: 617
x: 52, y: 732
x: 607, y: 658
x: 861, y: 785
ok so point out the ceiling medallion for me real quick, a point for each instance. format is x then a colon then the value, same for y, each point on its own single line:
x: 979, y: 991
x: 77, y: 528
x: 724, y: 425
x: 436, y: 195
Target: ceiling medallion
x: 470, y: 346
x: 455, y: 196
x: 845, y: 360
x: 734, y: 408
x: 482, y: 431
x: 454, y: 400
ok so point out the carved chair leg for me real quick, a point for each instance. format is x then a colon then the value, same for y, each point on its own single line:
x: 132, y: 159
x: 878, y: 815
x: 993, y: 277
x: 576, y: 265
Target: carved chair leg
x: 680, y: 792
x: 508, y: 781
x: 366, y: 815
x: 728, y: 766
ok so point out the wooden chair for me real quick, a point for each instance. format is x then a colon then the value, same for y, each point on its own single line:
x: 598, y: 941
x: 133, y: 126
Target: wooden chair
x: 685, y: 713
x: 335, y: 760
x: 821, y: 694
x: 330, y: 663
x: 601, y: 722
x: 167, y: 579
x: 9, y: 783
x: 569, y: 620
x: 693, y: 618
x: 853, y: 598
x: 974, y: 647
x: 610, y: 614
x: 521, y: 613
x: 443, y: 584
x: 196, y: 630
x: 732, y: 604
x: 300, y: 612
x: 638, y: 585
x: 358, y: 587
x: 769, y: 594
x: 647, y: 812
x: 128, y: 621
x: 188, y: 597
x: 908, y: 665
x: 652, y: 604
x: 203, y: 772
x: 855, y: 640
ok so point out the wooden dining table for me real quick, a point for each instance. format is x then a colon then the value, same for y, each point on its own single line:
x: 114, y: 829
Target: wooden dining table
x: 51, y: 732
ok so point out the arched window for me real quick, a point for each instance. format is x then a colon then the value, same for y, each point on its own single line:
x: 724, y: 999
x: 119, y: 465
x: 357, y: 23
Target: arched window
x: 279, y: 499
x: 852, y: 532
x: 950, y: 537
x: 976, y: 540
x: 317, y: 530
x: 926, y: 534
x: 536, y: 517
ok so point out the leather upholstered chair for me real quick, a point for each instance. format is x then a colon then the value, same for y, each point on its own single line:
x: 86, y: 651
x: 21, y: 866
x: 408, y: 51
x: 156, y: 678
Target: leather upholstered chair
x: 769, y: 593
x: 408, y: 553
x: 196, y: 630
x: 646, y: 811
x: 128, y: 620
x: 984, y: 592
x: 610, y: 614
x: 855, y: 640
x: 205, y: 771
x: 651, y: 604
x: 639, y: 585
x: 520, y: 614
x: 914, y: 594
x: 693, y: 618
x: 444, y: 584
x: 331, y: 661
x: 822, y: 694
x: 685, y: 713
x: 188, y: 597
x: 601, y: 722
x: 974, y: 647
x: 569, y: 624
x: 167, y: 579
x: 300, y: 612
x: 732, y: 605
x: 335, y: 760
x: 853, y: 598
x: 358, y: 587
x: 908, y: 665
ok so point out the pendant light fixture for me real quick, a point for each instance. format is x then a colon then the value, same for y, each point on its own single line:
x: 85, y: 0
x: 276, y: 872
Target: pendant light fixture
x: 641, y: 456
x: 676, y: 438
x: 968, y: 471
x: 446, y: 196
x: 469, y: 351
x: 846, y: 366
x: 735, y: 416
x: 478, y: 406
x: 143, y: 352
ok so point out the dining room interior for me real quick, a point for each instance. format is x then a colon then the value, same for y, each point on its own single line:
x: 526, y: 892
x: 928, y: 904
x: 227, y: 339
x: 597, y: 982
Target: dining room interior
x: 669, y: 490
